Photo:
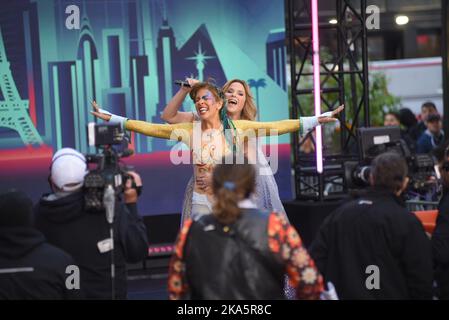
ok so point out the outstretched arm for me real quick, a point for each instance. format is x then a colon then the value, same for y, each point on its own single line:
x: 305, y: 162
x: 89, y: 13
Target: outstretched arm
x: 304, y: 124
x: 180, y: 131
x: 171, y: 113
x: 267, y: 128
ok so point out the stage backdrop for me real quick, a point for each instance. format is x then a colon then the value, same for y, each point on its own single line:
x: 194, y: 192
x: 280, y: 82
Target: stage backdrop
x: 126, y: 54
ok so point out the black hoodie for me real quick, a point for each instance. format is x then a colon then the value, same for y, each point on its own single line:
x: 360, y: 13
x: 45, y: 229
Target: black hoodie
x: 30, y: 268
x: 68, y: 226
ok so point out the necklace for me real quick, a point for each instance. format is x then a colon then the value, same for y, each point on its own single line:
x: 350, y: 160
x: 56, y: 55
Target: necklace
x: 212, y: 133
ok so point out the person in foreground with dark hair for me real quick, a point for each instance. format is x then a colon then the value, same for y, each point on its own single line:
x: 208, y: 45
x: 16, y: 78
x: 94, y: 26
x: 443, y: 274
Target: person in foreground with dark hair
x: 239, y: 251
x: 373, y: 247
x: 440, y: 236
x: 30, y: 268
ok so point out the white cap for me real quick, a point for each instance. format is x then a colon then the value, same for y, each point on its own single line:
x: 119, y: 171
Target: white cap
x: 68, y: 169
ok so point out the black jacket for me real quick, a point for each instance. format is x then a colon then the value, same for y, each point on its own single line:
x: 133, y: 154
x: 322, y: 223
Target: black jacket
x: 375, y: 229
x: 68, y: 226
x: 440, y: 247
x: 30, y: 268
x: 240, y: 264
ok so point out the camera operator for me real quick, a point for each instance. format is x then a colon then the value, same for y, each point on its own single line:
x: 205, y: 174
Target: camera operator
x: 376, y: 232
x: 440, y: 236
x: 65, y: 222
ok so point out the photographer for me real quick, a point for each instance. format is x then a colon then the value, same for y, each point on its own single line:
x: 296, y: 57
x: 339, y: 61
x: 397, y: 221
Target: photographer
x: 440, y: 236
x: 376, y: 232
x: 65, y: 222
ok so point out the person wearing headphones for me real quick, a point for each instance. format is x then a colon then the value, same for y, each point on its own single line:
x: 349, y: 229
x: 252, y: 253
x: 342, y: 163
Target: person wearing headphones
x: 61, y: 216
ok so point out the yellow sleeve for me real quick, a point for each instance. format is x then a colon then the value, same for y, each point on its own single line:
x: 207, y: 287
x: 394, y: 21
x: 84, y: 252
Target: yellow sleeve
x: 268, y: 128
x: 179, y: 131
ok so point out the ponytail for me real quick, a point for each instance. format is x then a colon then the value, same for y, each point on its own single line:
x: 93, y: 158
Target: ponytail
x: 226, y: 208
x: 231, y: 184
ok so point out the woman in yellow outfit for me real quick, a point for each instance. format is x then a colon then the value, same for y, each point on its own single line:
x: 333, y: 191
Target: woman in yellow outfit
x: 215, y: 135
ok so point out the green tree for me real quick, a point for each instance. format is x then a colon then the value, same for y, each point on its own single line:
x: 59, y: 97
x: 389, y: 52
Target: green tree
x: 380, y: 99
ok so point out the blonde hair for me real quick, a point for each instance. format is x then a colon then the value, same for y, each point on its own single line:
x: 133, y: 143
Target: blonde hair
x: 249, y: 110
x: 231, y: 183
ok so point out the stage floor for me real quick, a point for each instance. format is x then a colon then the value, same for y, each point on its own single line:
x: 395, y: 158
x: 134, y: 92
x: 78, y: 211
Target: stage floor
x: 149, y: 283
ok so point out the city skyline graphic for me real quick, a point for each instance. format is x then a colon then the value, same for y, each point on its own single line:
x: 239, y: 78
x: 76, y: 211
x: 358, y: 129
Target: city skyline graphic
x: 126, y: 56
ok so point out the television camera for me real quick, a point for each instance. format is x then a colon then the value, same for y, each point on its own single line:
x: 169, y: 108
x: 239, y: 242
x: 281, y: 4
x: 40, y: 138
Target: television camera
x: 109, y: 178
x: 377, y: 140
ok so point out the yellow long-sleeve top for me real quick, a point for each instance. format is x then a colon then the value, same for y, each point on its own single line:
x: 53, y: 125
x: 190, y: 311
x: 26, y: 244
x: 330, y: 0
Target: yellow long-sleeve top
x: 207, y: 153
x: 183, y: 131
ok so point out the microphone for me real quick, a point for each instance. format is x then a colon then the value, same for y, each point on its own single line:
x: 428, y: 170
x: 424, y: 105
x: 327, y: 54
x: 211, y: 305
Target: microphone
x: 109, y: 203
x: 182, y: 83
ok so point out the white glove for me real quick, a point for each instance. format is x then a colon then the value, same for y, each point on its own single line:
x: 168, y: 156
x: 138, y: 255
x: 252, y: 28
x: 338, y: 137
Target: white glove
x: 115, y: 118
x: 309, y: 123
x: 330, y: 294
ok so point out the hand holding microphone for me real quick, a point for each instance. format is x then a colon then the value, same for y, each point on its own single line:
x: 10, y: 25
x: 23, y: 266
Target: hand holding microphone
x: 187, y: 84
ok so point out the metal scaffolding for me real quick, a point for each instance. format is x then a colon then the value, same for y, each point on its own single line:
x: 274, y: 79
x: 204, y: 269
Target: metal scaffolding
x: 344, y: 80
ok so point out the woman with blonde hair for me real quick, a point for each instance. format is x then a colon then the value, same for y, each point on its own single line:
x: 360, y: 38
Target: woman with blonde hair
x: 248, y: 250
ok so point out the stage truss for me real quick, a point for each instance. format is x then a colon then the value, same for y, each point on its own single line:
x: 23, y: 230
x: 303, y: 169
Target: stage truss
x: 344, y: 80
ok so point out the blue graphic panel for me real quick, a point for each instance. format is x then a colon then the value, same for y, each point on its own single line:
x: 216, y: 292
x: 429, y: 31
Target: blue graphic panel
x: 126, y: 55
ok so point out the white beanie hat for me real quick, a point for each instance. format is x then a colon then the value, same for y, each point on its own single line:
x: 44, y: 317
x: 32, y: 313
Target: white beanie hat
x: 68, y: 168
